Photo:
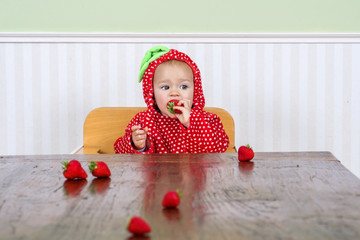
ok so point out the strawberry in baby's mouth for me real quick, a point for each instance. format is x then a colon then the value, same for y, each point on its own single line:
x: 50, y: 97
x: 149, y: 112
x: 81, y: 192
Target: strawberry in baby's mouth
x: 171, y: 104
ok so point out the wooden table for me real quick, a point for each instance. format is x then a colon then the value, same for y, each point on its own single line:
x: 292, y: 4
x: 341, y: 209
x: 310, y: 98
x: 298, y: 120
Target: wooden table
x: 307, y: 195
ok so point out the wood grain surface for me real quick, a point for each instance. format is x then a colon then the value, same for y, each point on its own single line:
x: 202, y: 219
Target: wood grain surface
x: 303, y: 195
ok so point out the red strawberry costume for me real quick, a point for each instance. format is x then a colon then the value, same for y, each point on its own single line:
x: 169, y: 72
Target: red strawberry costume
x: 205, y: 134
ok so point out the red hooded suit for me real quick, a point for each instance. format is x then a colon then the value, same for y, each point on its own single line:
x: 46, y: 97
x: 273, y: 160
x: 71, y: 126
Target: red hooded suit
x: 205, y: 134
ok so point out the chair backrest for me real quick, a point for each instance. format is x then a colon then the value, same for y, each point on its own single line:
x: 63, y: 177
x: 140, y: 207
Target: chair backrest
x: 106, y: 124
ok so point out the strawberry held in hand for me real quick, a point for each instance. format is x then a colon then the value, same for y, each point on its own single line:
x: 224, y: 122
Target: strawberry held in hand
x: 73, y: 170
x: 171, y: 104
x: 245, y: 153
x: 171, y: 199
x: 99, y: 169
x: 138, y: 226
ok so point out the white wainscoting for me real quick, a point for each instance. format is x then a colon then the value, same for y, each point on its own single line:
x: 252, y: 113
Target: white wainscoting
x: 285, y: 93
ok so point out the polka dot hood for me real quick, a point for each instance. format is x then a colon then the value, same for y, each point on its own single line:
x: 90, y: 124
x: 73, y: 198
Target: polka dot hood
x: 167, y: 135
x: 172, y: 54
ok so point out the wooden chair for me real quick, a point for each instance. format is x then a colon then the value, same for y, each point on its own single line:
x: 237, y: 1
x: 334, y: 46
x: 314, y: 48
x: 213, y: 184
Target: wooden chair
x: 106, y: 124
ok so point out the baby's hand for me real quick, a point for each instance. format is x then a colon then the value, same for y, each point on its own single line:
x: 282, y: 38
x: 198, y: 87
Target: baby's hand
x: 138, y: 136
x: 184, y: 117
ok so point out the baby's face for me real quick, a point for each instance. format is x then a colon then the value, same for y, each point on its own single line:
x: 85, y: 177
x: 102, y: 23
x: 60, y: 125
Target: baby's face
x: 173, y: 80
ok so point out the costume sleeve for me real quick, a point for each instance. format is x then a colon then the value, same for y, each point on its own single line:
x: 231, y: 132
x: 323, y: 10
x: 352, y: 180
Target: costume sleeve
x: 124, y: 145
x: 206, y: 133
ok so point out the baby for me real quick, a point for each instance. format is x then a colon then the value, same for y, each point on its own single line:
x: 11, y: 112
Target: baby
x: 170, y: 75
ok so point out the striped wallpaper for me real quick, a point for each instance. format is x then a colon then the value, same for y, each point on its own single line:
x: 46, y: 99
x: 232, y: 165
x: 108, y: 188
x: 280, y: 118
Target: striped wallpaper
x: 282, y: 96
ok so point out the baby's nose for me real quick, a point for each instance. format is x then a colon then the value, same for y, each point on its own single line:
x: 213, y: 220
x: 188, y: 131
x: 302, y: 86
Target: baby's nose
x: 174, y: 92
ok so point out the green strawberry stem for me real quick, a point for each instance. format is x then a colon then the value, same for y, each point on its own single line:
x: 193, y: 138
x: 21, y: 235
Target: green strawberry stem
x: 66, y: 164
x: 170, y: 107
x: 248, y: 146
x: 92, y: 166
x: 179, y: 193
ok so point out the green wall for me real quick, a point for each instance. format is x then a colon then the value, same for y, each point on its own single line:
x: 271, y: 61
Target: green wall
x: 187, y: 16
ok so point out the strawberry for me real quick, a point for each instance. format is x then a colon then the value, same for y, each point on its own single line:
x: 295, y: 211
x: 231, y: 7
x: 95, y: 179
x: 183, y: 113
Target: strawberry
x: 171, y: 199
x: 171, y: 104
x: 99, y: 169
x: 73, y: 170
x: 245, y: 153
x: 138, y: 226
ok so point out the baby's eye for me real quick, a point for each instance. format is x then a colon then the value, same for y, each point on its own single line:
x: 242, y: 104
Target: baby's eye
x: 183, y: 87
x: 165, y: 87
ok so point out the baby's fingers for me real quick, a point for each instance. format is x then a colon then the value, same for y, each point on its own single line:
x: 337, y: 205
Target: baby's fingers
x: 135, y: 127
x: 185, y: 103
